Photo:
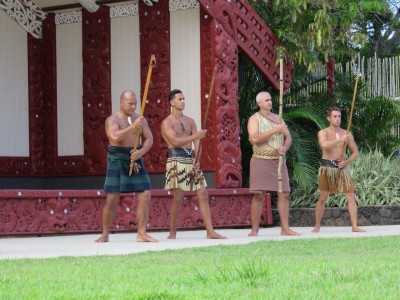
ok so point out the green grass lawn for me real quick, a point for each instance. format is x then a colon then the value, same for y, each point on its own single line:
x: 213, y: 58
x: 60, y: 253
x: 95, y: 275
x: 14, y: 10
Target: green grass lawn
x: 355, y: 268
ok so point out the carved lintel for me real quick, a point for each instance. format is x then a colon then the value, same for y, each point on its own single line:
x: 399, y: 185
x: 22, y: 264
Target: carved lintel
x: 26, y: 13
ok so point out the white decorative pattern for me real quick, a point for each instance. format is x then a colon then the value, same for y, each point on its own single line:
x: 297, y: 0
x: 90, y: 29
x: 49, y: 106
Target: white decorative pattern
x: 69, y: 17
x: 150, y: 2
x: 26, y: 13
x: 175, y: 5
x: 90, y: 5
x: 124, y: 10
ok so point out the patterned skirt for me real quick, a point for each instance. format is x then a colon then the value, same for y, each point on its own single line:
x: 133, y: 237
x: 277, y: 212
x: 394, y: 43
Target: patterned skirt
x: 180, y: 173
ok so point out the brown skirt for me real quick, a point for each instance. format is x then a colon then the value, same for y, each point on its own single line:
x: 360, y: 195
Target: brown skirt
x: 264, y: 175
x: 335, y: 180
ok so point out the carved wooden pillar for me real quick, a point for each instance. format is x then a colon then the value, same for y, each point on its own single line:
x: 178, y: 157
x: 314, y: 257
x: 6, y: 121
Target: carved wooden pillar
x: 43, y: 99
x: 96, y: 55
x: 227, y: 124
x: 36, y: 103
x: 154, y: 39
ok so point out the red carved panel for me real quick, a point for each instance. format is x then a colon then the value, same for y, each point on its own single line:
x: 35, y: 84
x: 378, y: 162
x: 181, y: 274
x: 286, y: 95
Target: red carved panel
x: 96, y: 55
x: 154, y: 39
x: 252, y: 35
x: 208, y: 156
x: 48, y: 212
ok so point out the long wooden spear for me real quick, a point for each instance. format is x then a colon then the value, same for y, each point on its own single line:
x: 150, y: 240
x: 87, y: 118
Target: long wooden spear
x: 193, y: 174
x: 280, y: 120
x: 351, y: 114
x: 206, y: 113
x: 146, y: 90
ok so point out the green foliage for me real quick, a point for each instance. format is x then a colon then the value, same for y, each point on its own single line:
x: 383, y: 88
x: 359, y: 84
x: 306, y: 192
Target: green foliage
x: 373, y: 124
x: 375, y: 175
x: 377, y: 178
x: 316, y: 30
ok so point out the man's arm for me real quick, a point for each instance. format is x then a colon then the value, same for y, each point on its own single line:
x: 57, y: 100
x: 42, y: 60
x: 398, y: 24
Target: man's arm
x: 352, y: 146
x: 147, y: 142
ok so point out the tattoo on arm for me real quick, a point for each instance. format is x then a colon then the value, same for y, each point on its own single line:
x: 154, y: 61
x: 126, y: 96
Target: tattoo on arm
x: 110, y: 121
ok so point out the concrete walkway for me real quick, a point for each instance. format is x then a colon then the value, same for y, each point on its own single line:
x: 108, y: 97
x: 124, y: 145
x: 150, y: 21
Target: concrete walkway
x: 125, y: 243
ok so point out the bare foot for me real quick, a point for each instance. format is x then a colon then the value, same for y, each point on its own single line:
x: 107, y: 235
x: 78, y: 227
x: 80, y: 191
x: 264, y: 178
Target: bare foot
x: 145, y: 238
x: 172, y: 236
x: 289, y: 232
x: 253, y: 233
x: 316, y: 230
x: 357, y: 229
x: 102, y: 239
x: 214, y: 235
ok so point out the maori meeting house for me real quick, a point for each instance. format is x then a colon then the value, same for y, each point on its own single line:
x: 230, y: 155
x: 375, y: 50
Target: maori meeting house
x: 63, y: 66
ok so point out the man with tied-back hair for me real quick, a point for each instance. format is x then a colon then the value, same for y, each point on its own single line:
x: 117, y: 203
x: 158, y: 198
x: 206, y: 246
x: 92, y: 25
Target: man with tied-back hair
x: 334, y: 176
x: 270, y: 139
x: 182, y: 173
x: 121, y: 130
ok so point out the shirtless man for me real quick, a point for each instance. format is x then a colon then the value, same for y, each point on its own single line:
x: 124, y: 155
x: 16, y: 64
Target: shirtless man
x: 180, y: 133
x: 270, y: 139
x: 121, y: 129
x: 334, y: 177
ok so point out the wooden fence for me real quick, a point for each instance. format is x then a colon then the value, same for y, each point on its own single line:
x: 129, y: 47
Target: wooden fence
x: 380, y: 75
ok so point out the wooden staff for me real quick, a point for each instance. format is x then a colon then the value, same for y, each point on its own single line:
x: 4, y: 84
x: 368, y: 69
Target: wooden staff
x: 194, y: 173
x: 351, y: 115
x: 280, y: 120
x: 206, y: 113
x: 146, y: 90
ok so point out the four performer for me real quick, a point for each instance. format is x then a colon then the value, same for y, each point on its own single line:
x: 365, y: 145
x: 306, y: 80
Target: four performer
x: 270, y: 138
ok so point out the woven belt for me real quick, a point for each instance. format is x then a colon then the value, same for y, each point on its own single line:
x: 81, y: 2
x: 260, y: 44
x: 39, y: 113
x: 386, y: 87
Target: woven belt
x: 266, y: 153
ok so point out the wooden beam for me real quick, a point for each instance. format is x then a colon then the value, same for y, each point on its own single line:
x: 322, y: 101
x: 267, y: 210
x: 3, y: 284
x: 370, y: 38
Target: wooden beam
x: 61, y: 7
